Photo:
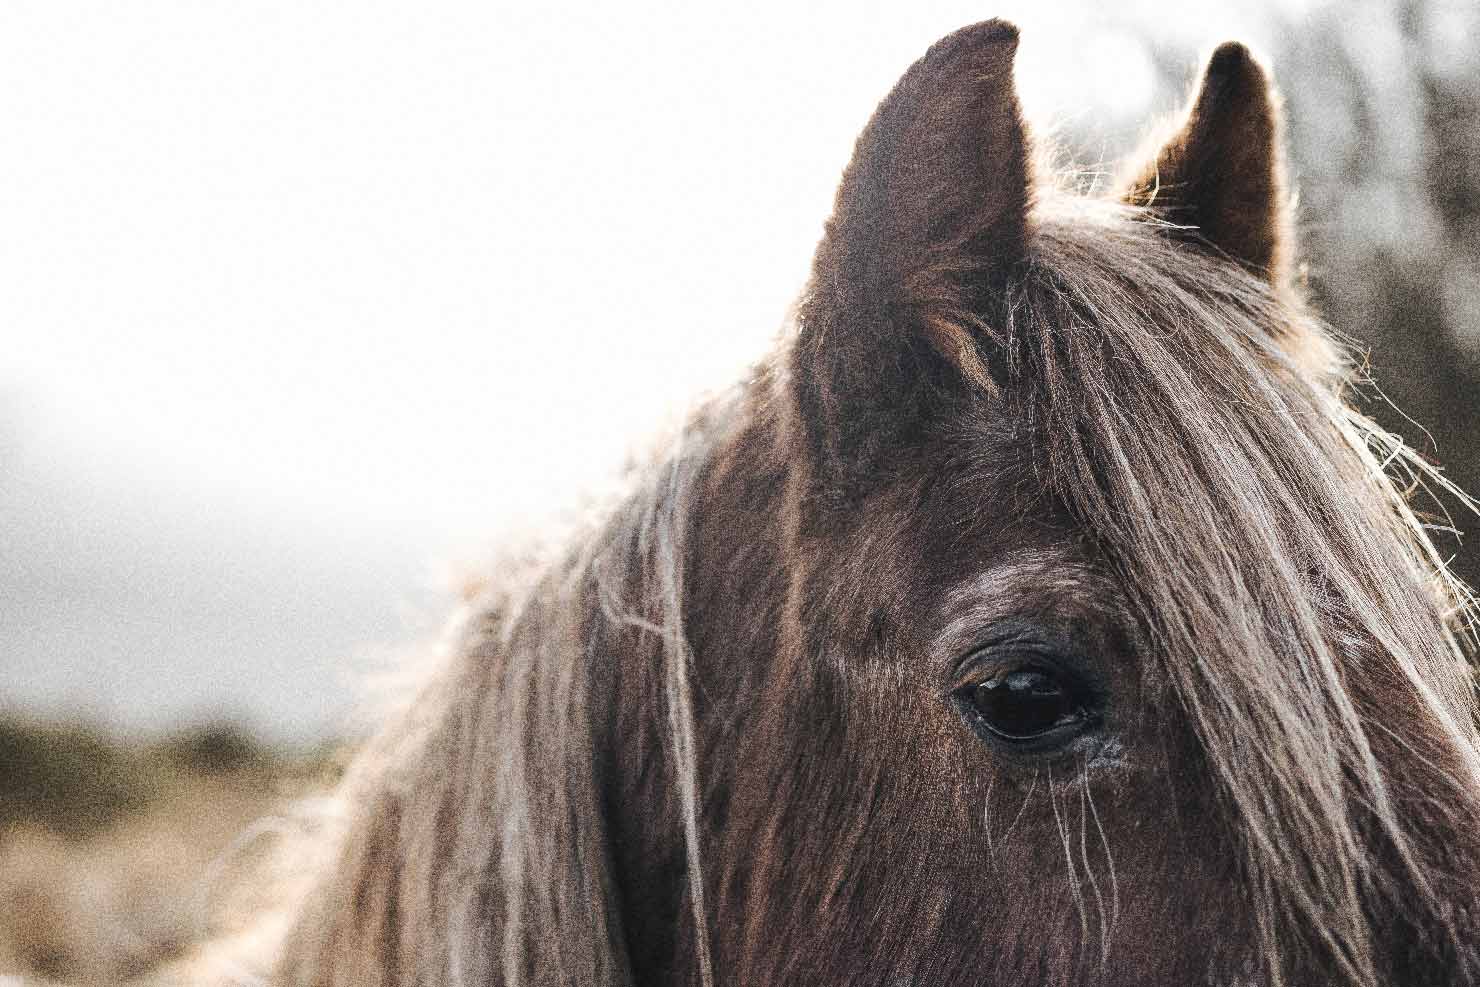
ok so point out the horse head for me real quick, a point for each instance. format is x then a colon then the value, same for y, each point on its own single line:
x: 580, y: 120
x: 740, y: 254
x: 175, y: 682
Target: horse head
x: 1038, y: 611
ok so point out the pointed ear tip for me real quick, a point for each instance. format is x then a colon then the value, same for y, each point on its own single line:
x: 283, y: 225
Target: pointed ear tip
x: 995, y: 30
x: 1233, y: 62
x: 979, y: 36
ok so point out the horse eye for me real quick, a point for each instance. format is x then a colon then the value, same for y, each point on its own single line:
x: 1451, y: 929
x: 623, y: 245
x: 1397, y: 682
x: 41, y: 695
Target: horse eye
x: 1026, y: 703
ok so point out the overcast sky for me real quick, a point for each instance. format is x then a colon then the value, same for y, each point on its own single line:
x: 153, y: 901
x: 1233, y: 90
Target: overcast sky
x: 301, y: 301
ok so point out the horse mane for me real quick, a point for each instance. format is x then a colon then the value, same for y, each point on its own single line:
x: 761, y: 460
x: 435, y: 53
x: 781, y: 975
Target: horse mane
x: 477, y: 852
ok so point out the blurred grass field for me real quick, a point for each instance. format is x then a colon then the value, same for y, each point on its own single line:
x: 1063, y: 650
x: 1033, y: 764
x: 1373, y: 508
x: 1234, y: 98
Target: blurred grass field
x: 116, y: 858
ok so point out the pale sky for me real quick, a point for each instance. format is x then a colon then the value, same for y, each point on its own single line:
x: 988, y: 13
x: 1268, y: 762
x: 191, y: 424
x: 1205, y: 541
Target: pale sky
x: 301, y: 300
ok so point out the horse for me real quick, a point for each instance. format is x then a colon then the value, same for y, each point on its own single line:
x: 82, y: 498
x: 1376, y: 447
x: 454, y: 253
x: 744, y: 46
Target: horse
x: 1038, y: 611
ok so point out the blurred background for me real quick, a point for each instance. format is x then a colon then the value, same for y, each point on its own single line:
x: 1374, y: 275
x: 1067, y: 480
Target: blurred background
x: 305, y: 306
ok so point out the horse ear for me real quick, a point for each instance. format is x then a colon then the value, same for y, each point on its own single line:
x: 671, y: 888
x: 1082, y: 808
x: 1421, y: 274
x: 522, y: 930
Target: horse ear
x: 1221, y: 175
x: 933, y: 203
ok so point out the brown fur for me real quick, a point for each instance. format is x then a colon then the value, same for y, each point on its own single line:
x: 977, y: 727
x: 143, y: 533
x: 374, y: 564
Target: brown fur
x: 713, y: 741
x: 1220, y: 174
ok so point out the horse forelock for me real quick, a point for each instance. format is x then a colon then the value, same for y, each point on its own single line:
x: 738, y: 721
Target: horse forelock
x: 1286, y: 586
